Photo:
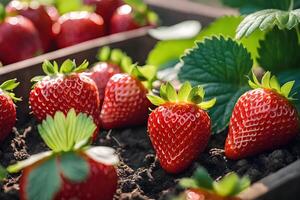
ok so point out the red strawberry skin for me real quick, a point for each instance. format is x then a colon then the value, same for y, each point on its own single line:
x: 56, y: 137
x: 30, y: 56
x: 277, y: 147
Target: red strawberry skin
x: 125, y: 103
x: 199, y: 194
x: 61, y: 93
x: 39, y: 16
x: 101, y: 184
x: 19, y: 40
x: 101, y: 73
x: 105, y: 8
x: 261, y: 120
x: 179, y: 132
x: 7, y: 115
x: 123, y: 20
x: 76, y: 27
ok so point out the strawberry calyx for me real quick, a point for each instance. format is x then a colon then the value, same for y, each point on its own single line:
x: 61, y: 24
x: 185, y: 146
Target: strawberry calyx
x: 68, y: 137
x: 8, y: 86
x: 115, y: 56
x: 2, y: 12
x: 67, y: 67
x: 229, y: 186
x: 186, y: 94
x: 142, y: 14
x: 271, y: 82
x: 146, y: 74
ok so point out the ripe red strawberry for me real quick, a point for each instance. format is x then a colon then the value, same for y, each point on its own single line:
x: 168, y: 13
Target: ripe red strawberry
x: 72, y: 170
x: 64, y: 89
x: 76, y: 27
x: 111, y: 62
x: 179, y: 128
x: 7, y: 107
x: 38, y: 15
x: 132, y: 16
x: 262, y: 119
x: 105, y: 8
x: 201, y: 186
x: 125, y: 103
x: 18, y: 39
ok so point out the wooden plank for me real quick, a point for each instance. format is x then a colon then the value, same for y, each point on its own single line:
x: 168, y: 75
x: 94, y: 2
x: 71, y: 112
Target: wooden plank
x: 281, y: 185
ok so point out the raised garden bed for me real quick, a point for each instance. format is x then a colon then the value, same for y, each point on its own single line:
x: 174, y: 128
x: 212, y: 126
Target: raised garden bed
x: 140, y: 174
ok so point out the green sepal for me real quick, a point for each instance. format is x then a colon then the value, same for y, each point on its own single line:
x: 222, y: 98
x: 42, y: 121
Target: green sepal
x: 47, y: 174
x: 74, y: 167
x: 146, y: 74
x: 2, y: 12
x: 7, y: 88
x: 3, y: 173
x: 63, y: 133
x: 115, y: 56
x: 67, y: 67
x: 186, y: 93
x: 271, y: 82
x: 230, y: 185
x: 142, y: 13
x: 29, y: 161
x: 43, y: 181
x: 266, y: 19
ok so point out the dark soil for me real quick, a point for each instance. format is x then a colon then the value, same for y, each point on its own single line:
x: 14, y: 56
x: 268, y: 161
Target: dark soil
x: 141, y: 176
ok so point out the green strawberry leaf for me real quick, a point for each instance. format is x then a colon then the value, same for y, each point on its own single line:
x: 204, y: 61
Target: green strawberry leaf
x: 162, y: 56
x: 74, y: 167
x: 137, y: 5
x: 273, y: 50
x: 266, y: 20
x: 44, y: 181
x: 247, y: 7
x: 8, y: 86
x: 221, y: 66
x: 203, y: 179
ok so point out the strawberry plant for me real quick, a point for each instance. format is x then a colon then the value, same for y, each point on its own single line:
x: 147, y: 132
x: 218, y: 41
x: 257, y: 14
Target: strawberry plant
x: 72, y: 168
x: 180, y: 127
x: 19, y: 33
x: 125, y: 103
x: 62, y: 89
x: 111, y: 61
x: 7, y: 107
x: 262, y: 119
x: 202, y: 186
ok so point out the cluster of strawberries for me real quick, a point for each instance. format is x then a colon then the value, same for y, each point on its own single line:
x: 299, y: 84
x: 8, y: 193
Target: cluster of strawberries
x: 73, y: 104
x: 28, y: 28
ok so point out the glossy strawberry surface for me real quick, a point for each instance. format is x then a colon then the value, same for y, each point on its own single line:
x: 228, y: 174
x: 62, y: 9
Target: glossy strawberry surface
x: 261, y: 120
x: 101, y: 184
x: 101, y: 74
x: 19, y: 40
x: 77, y: 27
x: 178, y: 132
x: 199, y: 194
x: 123, y: 20
x: 61, y: 93
x: 7, y: 115
x: 39, y: 16
x: 105, y: 8
x: 125, y: 103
